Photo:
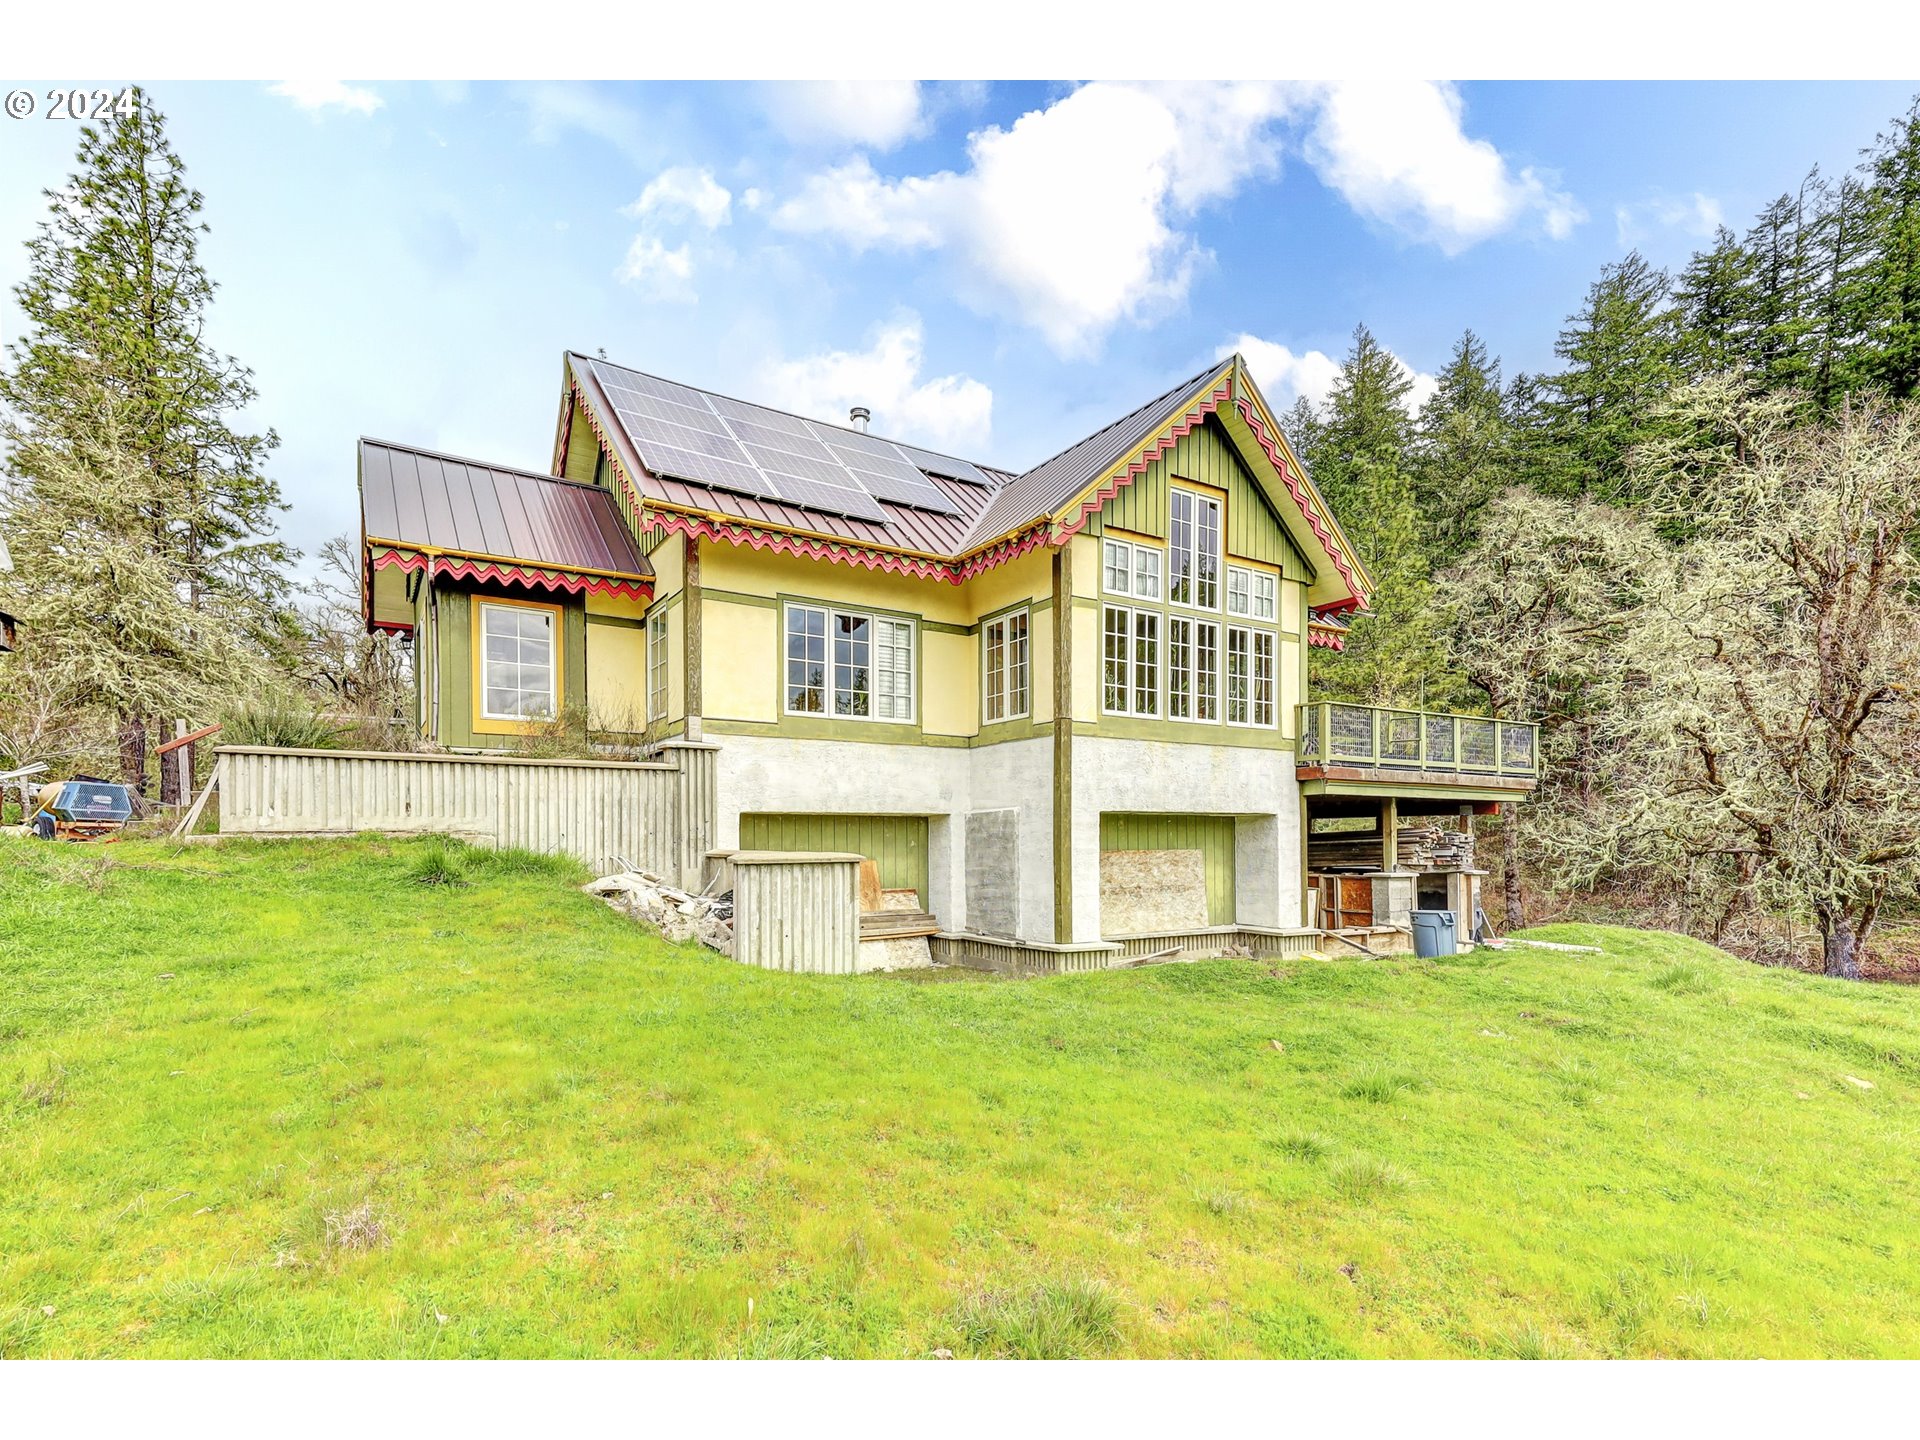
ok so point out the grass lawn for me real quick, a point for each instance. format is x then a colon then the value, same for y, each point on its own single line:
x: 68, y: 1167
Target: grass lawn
x: 285, y: 1099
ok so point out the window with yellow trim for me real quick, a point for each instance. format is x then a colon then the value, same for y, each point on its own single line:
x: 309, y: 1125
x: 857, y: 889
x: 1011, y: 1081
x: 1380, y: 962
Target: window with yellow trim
x: 519, y: 662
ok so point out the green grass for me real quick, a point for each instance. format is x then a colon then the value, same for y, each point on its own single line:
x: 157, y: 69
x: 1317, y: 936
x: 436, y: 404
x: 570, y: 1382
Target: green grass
x: 285, y: 1099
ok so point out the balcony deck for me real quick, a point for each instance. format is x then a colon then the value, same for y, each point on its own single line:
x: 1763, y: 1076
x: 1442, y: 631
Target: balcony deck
x: 1370, y: 750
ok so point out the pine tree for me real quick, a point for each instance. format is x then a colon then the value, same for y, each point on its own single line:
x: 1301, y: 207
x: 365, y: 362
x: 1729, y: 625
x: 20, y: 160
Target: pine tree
x: 1620, y: 363
x: 1781, y: 304
x: 1893, y: 199
x: 1462, y: 448
x: 116, y: 302
x: 1712, y: 300
x: 1362, y: 464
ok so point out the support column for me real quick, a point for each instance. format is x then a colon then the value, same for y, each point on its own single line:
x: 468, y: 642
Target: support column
x: 691, y: 633
x: 1390, y: 834
x: 1063, y: 743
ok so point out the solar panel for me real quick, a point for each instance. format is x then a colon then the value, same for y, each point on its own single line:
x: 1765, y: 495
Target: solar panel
x: 946, y: 465
x: 815, y: 495
x: 733, y: 445
x: 781, y: 440
x: 918, y: 492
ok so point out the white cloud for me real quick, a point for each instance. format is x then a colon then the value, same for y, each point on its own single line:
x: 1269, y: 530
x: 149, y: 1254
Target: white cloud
x: 1284, y: 376
x: 657, y: 272
x: 948, y: 412
x: 1063, y: 220
x: 1395, y: 151
x: 1076, y: 218
x: 876, y: 114
x: 555, y: 107
x: 1696, y: 215
x: 329, y: 95
x: 684, y: 191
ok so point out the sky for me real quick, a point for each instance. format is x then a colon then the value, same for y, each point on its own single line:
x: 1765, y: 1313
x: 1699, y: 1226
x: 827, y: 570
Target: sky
x: 995, y: 270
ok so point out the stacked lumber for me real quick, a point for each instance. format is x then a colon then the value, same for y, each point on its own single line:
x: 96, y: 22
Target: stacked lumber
x: 1418, y: 847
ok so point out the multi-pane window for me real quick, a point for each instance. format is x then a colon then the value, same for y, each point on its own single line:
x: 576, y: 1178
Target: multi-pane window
x: 1239, y: 669
x: 1146, y: 572
x: 1265, y: 595
x: 517, y: 671
x: 1239, y: 590
x: 1206, y: 670
x: 1130, y: 569
x: 806, y: 660
x: 853, y: 666
x: 1146, y: 662
x: 1130, y: 661
x: 1179, y: 668
x: 1116, y: 678
x: 1263, y: 678
x: 1004, y: 694
x: 1193, y: 550
x: 657, y: 666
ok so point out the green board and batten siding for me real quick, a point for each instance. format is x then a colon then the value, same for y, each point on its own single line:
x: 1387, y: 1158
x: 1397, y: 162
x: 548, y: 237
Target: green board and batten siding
x: 897, y: 843
x: 1211, y: 835
x: 1207, y: 457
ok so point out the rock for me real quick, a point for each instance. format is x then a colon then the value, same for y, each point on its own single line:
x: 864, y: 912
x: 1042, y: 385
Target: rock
x: 1857, y: 1081
x: 943, y: 1353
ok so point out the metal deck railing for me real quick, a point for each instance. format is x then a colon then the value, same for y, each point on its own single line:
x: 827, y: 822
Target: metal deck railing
x: 1333, y: 733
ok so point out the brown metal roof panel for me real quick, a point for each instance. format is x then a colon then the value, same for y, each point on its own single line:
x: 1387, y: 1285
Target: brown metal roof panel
x: 377, y: 513
x: 489, y: 514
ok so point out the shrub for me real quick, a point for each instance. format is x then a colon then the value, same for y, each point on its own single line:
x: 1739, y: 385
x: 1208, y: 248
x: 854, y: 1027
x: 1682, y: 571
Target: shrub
x: 1380, y: 1086
x: 282, y: 722
x: 1055, y: 1320
x: 1363, y: 1177
x: 438, y: 862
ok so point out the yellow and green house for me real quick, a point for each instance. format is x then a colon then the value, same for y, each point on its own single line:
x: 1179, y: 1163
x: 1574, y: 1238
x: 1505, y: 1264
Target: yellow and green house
x: 1012, y: 690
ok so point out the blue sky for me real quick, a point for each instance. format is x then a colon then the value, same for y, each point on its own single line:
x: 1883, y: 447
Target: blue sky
x: 995, y: 270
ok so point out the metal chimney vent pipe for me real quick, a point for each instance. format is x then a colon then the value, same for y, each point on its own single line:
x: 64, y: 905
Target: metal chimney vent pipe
x: 860, y: 415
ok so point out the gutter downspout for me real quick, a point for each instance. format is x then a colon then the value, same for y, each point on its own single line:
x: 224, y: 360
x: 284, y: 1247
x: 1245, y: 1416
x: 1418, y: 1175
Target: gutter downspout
x: 433, y: 640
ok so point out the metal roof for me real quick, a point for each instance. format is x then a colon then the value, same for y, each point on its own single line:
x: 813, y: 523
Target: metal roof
x: 1052, y: 483
x: 441, y: 502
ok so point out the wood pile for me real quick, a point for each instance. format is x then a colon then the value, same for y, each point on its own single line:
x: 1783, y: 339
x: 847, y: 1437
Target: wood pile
x: 1419, y: 847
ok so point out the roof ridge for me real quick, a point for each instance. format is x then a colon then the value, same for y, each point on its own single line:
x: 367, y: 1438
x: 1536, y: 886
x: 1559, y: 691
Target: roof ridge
x: 1167, y: 394
x: 790, y: 414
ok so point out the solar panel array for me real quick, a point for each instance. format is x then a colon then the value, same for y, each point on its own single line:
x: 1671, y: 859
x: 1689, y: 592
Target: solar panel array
x: 749, y: 450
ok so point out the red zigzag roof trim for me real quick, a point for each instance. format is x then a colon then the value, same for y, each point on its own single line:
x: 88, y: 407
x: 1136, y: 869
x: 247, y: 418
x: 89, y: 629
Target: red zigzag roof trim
x: 518, y: 575
x: 1296, y: 489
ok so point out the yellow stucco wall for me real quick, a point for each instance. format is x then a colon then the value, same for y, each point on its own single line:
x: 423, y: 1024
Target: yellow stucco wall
x: 619, y: 605
x: 950, y: 680
x: 616, y: 677
x: 739, y: 677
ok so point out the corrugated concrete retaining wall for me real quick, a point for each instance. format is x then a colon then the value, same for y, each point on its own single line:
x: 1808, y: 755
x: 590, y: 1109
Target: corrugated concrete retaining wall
x: 796, y: 910
x: 657, y: 814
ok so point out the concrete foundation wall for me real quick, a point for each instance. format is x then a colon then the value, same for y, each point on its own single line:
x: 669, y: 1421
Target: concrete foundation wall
x: 1004, y: 795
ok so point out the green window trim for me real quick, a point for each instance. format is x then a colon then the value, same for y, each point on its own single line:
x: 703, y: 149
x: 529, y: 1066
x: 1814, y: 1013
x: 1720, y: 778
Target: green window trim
x: 867, y: 660
x: 657, y: 659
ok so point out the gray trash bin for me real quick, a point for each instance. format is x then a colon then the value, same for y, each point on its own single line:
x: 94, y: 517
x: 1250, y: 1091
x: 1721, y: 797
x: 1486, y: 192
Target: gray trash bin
x: 1433, y: 934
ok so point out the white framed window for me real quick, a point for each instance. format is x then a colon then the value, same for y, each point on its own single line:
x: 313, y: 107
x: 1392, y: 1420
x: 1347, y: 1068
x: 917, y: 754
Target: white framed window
x: 519, y: 673
x: 1179, y: 668
x: 1193, y: 550
x: 1264, y: 710
x: 1239, y: 668
x: 1239, y: 590
x: 1116, y: 660
x: 1130, y: 661
x: 657, y: 666
x: 849, y: 665
x: 1146, y: 572
x: 1206, y: 670
x: 1266, y: 595
x: 892, y: 670
x: 1004, y: 647
x: 1116, y: 568
x: 806, y: 660
x: 1146, y: 662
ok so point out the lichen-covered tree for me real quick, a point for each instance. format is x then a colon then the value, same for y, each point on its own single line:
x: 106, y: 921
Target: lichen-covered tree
x: 116, y: 302
x: 1780, y: 730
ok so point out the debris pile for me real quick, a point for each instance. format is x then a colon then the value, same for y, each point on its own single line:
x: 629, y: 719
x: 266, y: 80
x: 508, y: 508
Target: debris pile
x: 677, y: 914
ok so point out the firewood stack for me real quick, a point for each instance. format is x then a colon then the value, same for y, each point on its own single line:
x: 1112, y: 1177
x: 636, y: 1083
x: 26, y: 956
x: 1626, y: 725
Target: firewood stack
x: 1420, y: 847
